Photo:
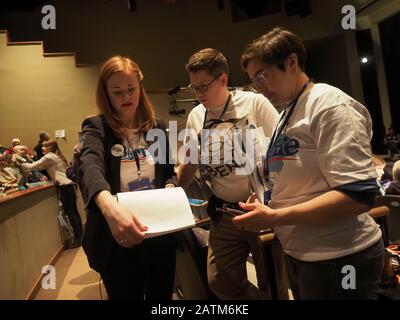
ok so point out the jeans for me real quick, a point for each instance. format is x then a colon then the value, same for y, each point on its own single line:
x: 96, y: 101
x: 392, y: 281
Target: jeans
x: 330, y: 279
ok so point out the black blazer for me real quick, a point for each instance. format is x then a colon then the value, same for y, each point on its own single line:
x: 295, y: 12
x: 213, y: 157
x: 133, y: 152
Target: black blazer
x: 99, y: 170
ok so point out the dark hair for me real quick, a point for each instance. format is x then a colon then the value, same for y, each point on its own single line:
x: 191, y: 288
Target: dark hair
x: 274, y: 48
x: 210, y: 60
x: 43, y: 136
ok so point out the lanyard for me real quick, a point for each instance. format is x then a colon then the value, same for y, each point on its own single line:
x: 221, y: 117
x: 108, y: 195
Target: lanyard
x: 220, y: 117
x: 135, y: 155
x: 203, y: 172
x: 278, y: 130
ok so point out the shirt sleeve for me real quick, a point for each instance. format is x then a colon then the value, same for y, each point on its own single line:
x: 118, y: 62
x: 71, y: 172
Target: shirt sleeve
x: 362, y: 191
x: 265, y: 115
x: 91, y: 168
x: 43, y: 163
x: 342, y: 136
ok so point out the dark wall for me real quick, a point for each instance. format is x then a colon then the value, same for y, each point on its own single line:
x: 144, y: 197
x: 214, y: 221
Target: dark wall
x: 161, y: 36
x: 391, y: 53
x: 370, y: 88
x: 327, y: 62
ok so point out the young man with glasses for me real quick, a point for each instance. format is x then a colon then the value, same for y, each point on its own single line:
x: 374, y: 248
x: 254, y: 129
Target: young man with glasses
x: 321, y: 176
x: 224, y: 112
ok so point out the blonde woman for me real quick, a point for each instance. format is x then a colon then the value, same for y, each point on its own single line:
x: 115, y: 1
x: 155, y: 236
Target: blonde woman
x: 115, y: 157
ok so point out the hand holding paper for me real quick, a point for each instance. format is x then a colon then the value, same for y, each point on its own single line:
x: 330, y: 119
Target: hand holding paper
x: 163, y: 211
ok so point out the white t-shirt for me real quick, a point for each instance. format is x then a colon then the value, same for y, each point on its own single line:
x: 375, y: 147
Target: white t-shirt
x: 129, y: 170
x: 326, y: 144
x: 245, y: 110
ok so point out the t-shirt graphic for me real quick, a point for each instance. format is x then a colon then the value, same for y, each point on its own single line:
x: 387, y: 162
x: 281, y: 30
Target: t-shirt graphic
x: 129, y: 173
x: 284, y: 149
x: 220, y: 143
x: 246, y: 110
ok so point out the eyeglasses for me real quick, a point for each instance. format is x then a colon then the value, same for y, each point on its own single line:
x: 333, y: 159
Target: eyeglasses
x: 203, y: 88
x: 259, y: 79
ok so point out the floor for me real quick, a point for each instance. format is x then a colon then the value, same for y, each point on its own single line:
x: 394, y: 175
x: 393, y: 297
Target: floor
x: 76, y: 281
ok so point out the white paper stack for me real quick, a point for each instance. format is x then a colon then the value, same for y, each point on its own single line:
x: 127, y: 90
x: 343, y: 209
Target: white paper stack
x: 161, y: 210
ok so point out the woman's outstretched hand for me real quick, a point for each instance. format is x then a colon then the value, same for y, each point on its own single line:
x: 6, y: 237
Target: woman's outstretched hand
x: 126, y: 229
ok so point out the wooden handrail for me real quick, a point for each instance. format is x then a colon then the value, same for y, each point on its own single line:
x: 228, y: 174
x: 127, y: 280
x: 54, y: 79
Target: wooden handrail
x: 19, y: 194
x: 379, y: 212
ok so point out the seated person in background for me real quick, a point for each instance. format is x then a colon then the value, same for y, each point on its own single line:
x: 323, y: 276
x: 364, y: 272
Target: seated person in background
x: 383, y: 177
x: 392, y: 141
x: 394, y: 187
x: 55, y: 164
x: 380, y: 165
x: 14, y: 142
x: 7, y: 178
x: 20, y: 156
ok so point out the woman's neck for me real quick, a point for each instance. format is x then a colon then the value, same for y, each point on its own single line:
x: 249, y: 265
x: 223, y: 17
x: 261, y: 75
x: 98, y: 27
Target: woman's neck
x: 130, y: 124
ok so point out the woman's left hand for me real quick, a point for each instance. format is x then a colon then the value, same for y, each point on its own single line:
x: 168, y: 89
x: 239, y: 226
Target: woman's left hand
x: 259, y: 217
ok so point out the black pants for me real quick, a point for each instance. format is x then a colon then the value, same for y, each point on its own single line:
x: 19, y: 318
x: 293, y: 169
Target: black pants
x: 68, y: 200
x: 324, y: 280
x: 146, y: 271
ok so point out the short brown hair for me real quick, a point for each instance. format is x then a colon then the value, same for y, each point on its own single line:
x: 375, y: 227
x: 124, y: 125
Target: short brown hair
x: 274, y: 48
x: 210, y: 60
x: 145, y: 115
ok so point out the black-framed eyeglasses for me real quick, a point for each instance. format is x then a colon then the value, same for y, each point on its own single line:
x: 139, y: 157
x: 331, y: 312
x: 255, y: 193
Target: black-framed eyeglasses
x: 203, y: 88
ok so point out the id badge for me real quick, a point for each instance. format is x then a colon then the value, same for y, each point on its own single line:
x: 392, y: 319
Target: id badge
x: 142, y: 184
x: 267, y: 196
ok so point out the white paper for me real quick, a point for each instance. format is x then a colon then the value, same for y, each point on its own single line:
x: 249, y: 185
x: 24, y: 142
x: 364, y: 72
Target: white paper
x: 59, y: 133
x: 161, y: 210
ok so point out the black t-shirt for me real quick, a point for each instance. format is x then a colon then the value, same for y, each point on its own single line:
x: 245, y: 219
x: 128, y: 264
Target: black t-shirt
x: 38, y: 151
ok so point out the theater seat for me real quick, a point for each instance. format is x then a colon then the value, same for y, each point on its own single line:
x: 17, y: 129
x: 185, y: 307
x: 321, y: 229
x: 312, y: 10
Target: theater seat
x: 392, y: 202
x: 191, y: 265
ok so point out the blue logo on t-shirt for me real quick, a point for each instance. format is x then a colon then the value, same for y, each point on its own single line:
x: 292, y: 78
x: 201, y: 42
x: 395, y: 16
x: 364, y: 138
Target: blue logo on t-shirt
x: 283, y: 147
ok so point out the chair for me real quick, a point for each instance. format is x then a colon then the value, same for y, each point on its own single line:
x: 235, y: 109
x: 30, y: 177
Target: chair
x: 191, y: 265
x: 392, y: 222
x: 274, y: 265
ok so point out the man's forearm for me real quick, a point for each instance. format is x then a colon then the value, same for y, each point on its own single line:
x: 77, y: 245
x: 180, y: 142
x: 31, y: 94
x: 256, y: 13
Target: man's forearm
x: 186, y: 174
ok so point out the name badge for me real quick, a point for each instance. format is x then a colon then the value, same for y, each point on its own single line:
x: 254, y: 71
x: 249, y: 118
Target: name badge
x: 267, y: 196
x: 137, y: 185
